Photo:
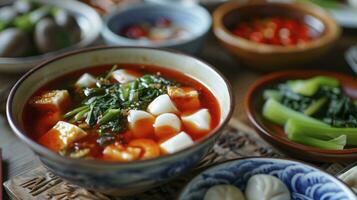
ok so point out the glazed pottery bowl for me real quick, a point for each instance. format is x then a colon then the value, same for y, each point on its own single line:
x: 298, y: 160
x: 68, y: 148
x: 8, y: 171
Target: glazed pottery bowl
x: 89, y: 22
x: 302, y: 180
x: 195, y: 19
x: 351, y: 57
x: 275, y: 134
x: 119, y: 178
x: 271, y: 57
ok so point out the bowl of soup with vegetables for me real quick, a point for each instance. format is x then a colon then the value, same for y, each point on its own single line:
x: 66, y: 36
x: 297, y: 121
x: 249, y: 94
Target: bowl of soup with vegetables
x: 120, y: 120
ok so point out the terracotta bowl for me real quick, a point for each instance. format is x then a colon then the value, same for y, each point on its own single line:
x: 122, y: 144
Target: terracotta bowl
x: 271, y: 57
x: 275, y: 135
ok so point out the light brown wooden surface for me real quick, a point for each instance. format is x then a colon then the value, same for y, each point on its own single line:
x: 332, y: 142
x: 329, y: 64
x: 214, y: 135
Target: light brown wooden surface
x: 19, y: 158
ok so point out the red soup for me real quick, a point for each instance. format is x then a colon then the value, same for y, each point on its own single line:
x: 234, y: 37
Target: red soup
x: 121, y: 113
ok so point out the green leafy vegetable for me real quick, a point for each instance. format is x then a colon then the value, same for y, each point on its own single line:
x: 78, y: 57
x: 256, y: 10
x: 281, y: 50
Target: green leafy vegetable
x: 334, y: 144
x: 315, y: 112
x: 275, y: 94
x: 106, y: 105
x: 280, y: 114
x: 295, y: 126
x: 328, y: 104
x: 310, y: 86
x: 341, y: 110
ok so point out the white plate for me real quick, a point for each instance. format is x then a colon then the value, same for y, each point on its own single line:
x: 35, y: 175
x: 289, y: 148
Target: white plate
x: 345, y: 15
x: 89, y: 21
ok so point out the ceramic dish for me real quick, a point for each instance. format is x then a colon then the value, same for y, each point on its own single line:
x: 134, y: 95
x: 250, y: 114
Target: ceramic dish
x: 195, y: 19
x: 344, y: 12
x: 87, y: 18
x: 124, y: 178
x: 302, y: 180
x: 270, y: 57
x: 275, y: 135
x: 351, y: 58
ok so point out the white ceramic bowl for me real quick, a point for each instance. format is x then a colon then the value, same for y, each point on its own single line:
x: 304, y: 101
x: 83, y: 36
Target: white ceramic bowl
x: 123, y: 178
x: 304, y: 181
x: 194, y: 18
x: 88, y: 20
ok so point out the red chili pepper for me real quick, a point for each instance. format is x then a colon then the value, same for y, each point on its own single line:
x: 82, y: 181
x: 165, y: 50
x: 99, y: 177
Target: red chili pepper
x: 273, y: 30
x: 257, y: 37
x: 134, y: 32
x: 163, y: 22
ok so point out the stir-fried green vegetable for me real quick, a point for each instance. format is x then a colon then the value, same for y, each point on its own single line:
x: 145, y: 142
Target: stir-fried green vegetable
x: 315, y: 112
x: 309, y: 87
x: 280, y: 114
x: 294, y: 126
x: 334, y: 144
x: 107, y: 104
x: 328, y: 102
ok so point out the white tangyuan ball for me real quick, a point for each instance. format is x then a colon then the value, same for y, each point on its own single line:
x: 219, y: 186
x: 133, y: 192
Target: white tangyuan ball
x: 266, y: 187
x: 224, y: 192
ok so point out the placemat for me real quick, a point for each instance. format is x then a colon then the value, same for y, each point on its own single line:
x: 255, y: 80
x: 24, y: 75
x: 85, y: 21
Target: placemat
x: 237, y: 140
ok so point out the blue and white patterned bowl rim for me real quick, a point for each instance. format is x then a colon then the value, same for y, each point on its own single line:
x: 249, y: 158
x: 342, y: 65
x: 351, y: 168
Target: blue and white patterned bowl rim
x: 317, y: 183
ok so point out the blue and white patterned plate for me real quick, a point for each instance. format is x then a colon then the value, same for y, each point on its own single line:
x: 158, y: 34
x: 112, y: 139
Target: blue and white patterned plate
x: 304, y: 182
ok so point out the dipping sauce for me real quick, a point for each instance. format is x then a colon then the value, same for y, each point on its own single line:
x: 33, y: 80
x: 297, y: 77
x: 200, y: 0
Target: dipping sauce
x: 123, y: 113
x: 161, y: 29
x: 280, y: 31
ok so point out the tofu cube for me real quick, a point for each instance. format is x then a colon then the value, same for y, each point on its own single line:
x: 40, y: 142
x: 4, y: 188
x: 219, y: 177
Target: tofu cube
x: 185, y: 98
x: 86, y: 80
x: 176, y: 143
x: 69, y: 133
x: 117, y: 152
x: 54, y: 100
x: 181, y: 92
x: 197, y: 122
x: 162, y: 104
x: 124, y: 75
x: 141, y: 123
x: 62, y: 135
x: 167, y: 125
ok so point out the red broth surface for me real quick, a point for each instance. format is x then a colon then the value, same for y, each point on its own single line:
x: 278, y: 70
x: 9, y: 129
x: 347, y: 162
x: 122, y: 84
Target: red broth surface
x: 39, y: 121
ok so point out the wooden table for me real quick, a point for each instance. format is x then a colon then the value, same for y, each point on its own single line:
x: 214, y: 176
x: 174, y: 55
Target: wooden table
x: 19, y: 158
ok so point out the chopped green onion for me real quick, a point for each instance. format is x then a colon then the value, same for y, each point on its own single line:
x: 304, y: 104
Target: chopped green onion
x: 111, y: 71
x: 134, y: 94
x: 74, y: 112
x: 110, y: 114
x: 81, y: 114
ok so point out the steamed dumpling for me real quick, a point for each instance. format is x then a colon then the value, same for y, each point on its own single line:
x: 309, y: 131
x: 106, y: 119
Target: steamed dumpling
x: 350, y: 178
x: 224, y: 192
x: 266, y: 187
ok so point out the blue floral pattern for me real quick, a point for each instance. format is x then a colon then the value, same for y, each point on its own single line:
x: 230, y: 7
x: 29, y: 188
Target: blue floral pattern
x: 303, y: 181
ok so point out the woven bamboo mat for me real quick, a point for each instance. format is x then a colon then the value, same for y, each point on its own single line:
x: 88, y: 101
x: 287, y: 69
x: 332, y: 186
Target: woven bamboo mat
x: 237, y: 140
